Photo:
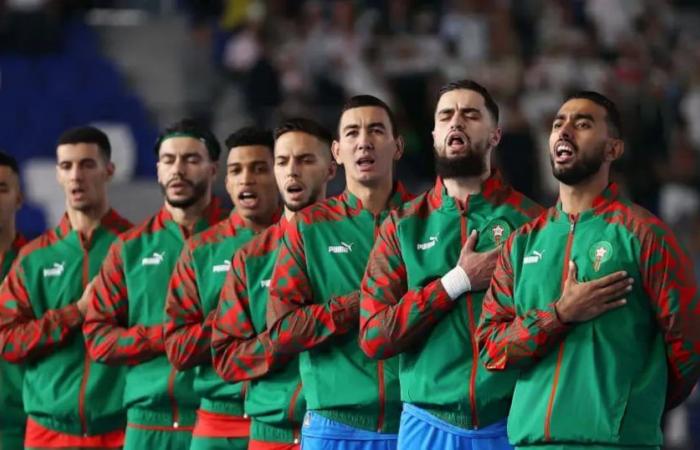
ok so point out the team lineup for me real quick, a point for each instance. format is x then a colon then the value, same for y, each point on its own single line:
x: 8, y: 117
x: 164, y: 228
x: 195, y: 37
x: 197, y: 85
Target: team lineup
x: 466, y: 317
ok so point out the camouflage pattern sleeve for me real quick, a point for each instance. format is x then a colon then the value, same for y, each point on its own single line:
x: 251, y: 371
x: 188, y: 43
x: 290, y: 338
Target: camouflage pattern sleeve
x: 239, y: 352
x: 107, y: 336
x: 391, y: 315
x: 24, y: 336
x: 294, y: 321
x: 187, y: 330
x: 668, y: 280
x: 505, y: 339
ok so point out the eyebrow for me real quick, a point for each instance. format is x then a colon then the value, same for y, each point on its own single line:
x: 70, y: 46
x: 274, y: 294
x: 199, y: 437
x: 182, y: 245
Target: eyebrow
x: 576, y: 117
x: 247, y: 163
x: 468, y: 109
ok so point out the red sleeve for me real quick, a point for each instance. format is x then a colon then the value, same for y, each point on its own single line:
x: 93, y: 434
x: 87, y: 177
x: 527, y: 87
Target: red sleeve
x: 294, y: 321
x: 505, y: 339
x: 668, y: 280
x: 107, y: 335
x: 392, y: 316
x: 187, y: 331
x: 22, y: 335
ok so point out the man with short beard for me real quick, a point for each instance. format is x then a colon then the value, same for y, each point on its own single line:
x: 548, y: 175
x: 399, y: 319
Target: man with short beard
x: 603, y: 349
x: 421, y: 295
x: 193, y: 292
x: 70, y: 401
x: 124, y: 320
x: 240, y: 340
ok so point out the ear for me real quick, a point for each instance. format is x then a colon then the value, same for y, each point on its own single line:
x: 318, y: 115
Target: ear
x: 214, y: 168
x: 335, y: 150
x: 111, y: 169
x: 399, y: 148
x: 332, y: 171
x: 615, y: 150
x: 20, y: 200
x: 495, y: 137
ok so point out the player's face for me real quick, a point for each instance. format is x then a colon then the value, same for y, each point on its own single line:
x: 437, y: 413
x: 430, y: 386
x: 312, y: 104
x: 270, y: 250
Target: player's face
x: 185, y: 171
x: 83, y: 173
x: 251, y: 183
x: 10, y: 196
x: 579, y: 142
x: 366, y: 145
x: 303, y: 166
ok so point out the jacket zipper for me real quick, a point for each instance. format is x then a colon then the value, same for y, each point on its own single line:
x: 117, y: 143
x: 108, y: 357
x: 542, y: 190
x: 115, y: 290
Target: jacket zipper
x: 293, y: 403
x: 380, y: 364
x: 173, y: 401
x: 560, y: 355
x: 244, y: 395
x: 472, y: 329
x: 86, y: 359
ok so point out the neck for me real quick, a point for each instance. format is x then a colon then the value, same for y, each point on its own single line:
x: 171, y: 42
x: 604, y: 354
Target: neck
x: 373, y: 198
x: 188, y: 217
x: 463, y: 187
x: 578, y: 198
x: 288, y: 214
x: 85, y: 222
x: 258, y: 224
x: 7, y: 236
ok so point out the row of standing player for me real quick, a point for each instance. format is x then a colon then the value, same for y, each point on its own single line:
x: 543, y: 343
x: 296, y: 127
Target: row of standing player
x: 413, y: 275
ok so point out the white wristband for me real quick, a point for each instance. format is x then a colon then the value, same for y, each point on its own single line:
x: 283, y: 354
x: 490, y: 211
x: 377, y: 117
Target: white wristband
x: 456, y: 282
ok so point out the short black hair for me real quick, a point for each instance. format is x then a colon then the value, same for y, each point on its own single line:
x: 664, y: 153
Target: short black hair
x: 359, y: 101
x: 472, y: 85
x: 87, y: 135
x: 251, y: 135
x: 307, y: 126
x: 194, y: 129
x: 8, y: 160
x: 612, y: 116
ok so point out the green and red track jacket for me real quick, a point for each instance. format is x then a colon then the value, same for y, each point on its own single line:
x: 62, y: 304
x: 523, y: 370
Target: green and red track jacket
x: 124, y: 323
x: 605, y: 381
x: 40, y: 326
x: 193, y: 296
x: 314, y: 305
x: 405, y: 309
x: 241, y: 342
x: 11, y: 375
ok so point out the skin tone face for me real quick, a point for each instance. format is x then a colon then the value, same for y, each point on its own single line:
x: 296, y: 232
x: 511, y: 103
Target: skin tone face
x: 251, y: 183
x: 366, y: 146
x: 580, y: 145
x: 185, y: 171
x: 10, y: 199
x: 463, y: 126
x: 83, y: 173
x: 303, y: 166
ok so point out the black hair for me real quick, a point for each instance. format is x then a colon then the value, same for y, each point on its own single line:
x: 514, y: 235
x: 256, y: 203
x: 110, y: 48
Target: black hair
x: 87, y: 135
x: 472, y: 85
x: 307, y: 126
x: 358, y: 101
x: 612, y: 116
x: 8, y: 160
x: 194, y: 129
x: 251, y: 135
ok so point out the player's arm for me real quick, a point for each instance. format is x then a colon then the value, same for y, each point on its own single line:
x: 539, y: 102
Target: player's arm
x: 108, y: 337
x: 24, y: 336
x: 505, y: 339
x: 187, y: 330
x: 239, y: 353
x: 294, y: 321
x: 668, y: 280
x: 391, y: 315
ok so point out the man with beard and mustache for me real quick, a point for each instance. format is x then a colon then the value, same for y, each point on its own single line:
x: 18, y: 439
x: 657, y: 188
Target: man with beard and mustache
x: 124, y: 320
x: 193, y: 293
x: 601, y: 351
x: 240, y: 340
x: 421, y: 294
x: 313, y: 307
x: 70, y: 401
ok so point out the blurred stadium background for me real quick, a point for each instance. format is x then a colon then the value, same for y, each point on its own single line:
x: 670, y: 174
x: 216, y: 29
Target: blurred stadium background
x: 133, y: 66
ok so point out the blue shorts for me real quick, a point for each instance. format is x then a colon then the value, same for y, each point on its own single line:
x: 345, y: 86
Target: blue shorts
x: 422, y: 431
x: 320, y: 433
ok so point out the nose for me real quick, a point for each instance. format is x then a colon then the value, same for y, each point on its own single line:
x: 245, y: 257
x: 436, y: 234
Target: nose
x: 566, y: 131
x: 364, y: 141
x: 247, y: 177
x: 293, y: 168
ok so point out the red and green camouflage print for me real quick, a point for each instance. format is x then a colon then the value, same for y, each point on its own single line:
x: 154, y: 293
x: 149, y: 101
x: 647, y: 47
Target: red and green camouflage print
x: 314, y: 305
x: 606, y: 381
x: 405, y: 309
x: 124, y: 322
x: 63, y: 389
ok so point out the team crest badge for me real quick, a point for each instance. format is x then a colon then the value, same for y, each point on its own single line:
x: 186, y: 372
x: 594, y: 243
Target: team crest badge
x: 499, y: 230
x: 599, y: 253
